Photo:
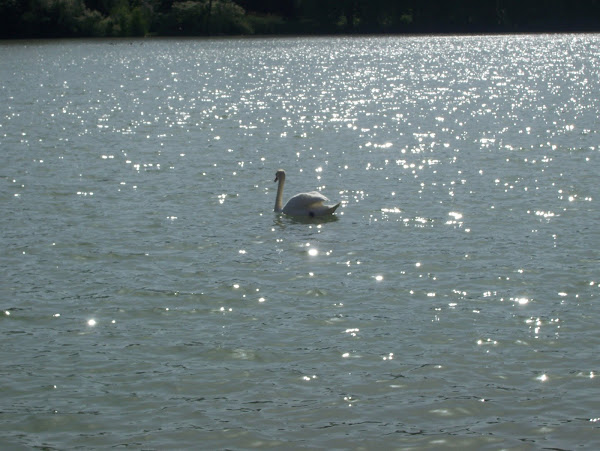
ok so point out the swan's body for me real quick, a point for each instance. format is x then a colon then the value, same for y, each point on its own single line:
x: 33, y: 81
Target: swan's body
x: 304, y: 204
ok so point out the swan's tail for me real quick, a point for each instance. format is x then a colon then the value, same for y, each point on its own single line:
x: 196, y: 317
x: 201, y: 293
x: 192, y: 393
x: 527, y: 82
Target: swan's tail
x: 331, y: 209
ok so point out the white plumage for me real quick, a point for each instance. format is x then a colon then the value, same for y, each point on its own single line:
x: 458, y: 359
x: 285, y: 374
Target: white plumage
x: 310, y: 204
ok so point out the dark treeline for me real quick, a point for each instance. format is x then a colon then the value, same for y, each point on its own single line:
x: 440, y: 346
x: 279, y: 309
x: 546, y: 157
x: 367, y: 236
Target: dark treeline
x: 112, y: 18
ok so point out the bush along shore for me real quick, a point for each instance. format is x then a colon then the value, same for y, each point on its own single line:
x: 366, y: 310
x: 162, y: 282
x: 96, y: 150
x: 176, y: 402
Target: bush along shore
x: 128, y: 18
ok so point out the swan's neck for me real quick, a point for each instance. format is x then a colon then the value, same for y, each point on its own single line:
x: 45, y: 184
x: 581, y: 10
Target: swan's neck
x: 279, y: 198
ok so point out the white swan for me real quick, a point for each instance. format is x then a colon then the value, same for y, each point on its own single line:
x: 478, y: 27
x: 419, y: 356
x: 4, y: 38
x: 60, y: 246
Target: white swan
x: 303, y: 204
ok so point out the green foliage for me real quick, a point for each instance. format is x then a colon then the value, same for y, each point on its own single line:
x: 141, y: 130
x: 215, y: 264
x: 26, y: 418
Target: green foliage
x: 128, y: 19
x: 195, y: 18
x: 90, y: 23
x: 67, y: 18
x: 190, y: 17
x: 227, y: 17
x: 52, y: 17
x: 267, y: 24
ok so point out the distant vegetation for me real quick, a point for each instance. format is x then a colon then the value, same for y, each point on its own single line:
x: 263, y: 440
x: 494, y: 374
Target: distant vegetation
x: 114, y: 18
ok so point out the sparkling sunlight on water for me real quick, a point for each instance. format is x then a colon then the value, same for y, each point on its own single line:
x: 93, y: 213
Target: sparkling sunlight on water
x: 153, y: 299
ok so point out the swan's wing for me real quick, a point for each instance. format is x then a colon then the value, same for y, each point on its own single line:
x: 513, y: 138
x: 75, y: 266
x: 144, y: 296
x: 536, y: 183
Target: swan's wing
x: 309, y: 204
x: 305, y: 200
x: 317, y: 196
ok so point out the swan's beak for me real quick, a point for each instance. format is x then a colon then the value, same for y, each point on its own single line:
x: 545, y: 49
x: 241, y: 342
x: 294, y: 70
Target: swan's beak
x: 275, y: 179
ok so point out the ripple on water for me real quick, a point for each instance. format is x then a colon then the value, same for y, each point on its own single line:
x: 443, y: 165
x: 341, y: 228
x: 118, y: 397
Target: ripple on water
x: 444, y: 305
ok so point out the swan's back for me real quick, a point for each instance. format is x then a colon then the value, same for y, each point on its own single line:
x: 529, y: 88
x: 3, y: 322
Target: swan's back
x: 309, y: 204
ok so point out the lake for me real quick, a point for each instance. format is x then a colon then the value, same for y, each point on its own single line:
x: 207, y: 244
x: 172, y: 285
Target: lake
x: 152, y: 299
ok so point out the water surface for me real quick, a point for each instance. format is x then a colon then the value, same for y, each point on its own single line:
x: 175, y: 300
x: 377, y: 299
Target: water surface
x: 152, y: 299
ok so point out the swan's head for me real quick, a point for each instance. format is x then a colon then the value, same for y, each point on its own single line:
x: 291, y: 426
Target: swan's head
x: 279, y: 175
